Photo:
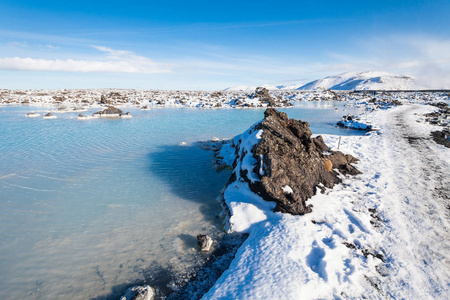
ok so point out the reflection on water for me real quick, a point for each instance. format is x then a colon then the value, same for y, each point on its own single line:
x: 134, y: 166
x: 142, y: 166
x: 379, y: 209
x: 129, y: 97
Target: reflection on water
x: 88, y: 207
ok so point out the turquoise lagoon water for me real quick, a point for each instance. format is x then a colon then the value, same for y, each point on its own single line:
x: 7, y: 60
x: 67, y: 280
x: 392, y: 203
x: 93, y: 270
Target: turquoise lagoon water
x: 90, y: 206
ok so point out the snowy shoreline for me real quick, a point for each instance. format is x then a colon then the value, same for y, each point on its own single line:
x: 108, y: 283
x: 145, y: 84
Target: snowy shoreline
x: 341, y: 249
x: 361, y: 239
x: 383, y: 234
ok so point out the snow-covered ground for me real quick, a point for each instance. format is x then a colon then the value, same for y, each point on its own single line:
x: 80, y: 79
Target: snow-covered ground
x: 79, y: 100
x: 382, y: 234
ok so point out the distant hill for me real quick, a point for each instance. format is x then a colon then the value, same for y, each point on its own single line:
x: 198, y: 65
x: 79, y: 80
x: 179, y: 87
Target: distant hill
x: 363, y: 81
x: 370, y: 80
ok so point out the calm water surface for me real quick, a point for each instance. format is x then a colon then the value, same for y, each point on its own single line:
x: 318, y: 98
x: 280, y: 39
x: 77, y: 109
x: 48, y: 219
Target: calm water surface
x: 86, y: 206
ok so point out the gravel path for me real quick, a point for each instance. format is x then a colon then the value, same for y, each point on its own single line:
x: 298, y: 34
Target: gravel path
x: 418, y: 206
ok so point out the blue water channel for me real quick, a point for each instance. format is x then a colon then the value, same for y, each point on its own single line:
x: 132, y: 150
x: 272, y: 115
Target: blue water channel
x: 86, y: 206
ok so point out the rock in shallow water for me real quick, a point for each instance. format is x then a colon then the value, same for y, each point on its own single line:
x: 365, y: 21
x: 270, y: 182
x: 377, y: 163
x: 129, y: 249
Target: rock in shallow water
x: 204, y: 242
x: 145, y: 292
x: 109, y: 112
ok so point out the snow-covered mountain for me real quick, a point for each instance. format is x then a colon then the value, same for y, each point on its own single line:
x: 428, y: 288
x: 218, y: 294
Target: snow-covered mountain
x: 363, y: 81
x: 369, y: 80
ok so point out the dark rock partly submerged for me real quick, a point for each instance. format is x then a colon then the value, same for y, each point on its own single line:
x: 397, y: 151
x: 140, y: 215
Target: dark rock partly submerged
x: 139, y: 293
x: 204, y: 242
x: 111, y: 111
x: 291, y: 164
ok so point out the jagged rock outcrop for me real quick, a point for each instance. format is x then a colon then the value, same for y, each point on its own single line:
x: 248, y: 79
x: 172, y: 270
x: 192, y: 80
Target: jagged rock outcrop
x: 264, y: 96
x: 290, y: 163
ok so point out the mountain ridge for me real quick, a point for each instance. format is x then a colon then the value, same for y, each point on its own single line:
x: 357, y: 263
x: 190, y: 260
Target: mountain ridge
x: 349, y: 81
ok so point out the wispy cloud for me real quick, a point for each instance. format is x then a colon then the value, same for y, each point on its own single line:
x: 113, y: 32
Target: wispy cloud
x: 113, y: 61
x: 51, y: 47
x: 16, y: 44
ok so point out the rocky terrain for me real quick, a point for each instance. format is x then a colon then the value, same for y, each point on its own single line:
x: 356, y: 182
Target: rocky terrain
x: 261, y: 97
x: 440, y: 118
x: 289, y: 164
x: 360, y: 241
x: 77, y: 100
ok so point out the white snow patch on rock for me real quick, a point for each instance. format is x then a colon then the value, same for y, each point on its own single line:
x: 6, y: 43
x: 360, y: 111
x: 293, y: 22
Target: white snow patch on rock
x: 287, y: 189
x: 246, y: 208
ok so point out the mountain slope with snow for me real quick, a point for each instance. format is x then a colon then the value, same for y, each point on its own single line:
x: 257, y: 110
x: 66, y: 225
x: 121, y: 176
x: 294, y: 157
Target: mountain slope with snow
x: 363, y: 81
x: 350, y: 81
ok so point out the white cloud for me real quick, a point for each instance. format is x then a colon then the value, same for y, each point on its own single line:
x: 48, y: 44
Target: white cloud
x: 114, y: 61
x: 52, y: 47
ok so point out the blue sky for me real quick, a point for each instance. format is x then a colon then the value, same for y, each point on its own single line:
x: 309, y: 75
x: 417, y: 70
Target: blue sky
x: 217, y: 44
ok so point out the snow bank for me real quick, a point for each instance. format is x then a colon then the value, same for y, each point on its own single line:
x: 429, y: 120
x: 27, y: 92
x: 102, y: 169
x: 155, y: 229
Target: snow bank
x: 246, y: 208
x: 382, y: 235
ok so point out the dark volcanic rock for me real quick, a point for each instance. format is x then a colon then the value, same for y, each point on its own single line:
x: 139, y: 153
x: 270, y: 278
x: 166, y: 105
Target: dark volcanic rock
x: 204, y: 242
x: 441, y: 138
x: 104, y: 100
x: 109, y: 111
x: 291, y: 164
x: 342, y: 162
x: 139, y: 293
x: 264, y: 96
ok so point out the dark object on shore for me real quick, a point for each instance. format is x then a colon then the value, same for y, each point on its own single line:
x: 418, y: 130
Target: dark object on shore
x: 103, y: 100
x: 291, y: 164
x: 441, y: 138
x: 204, y: 242
x: 441, y: 105
x: 217, y: 263
x: 111, y: 111
x: 350, y: 121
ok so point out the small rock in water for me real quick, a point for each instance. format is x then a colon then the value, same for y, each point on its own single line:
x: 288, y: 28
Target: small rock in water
x: 49, y: 116
x: 204, y: 242
x: 145, y: 292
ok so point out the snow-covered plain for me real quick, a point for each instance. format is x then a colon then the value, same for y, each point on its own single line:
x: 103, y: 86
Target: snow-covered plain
x: 380, y: 235
x: 83, y: 99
